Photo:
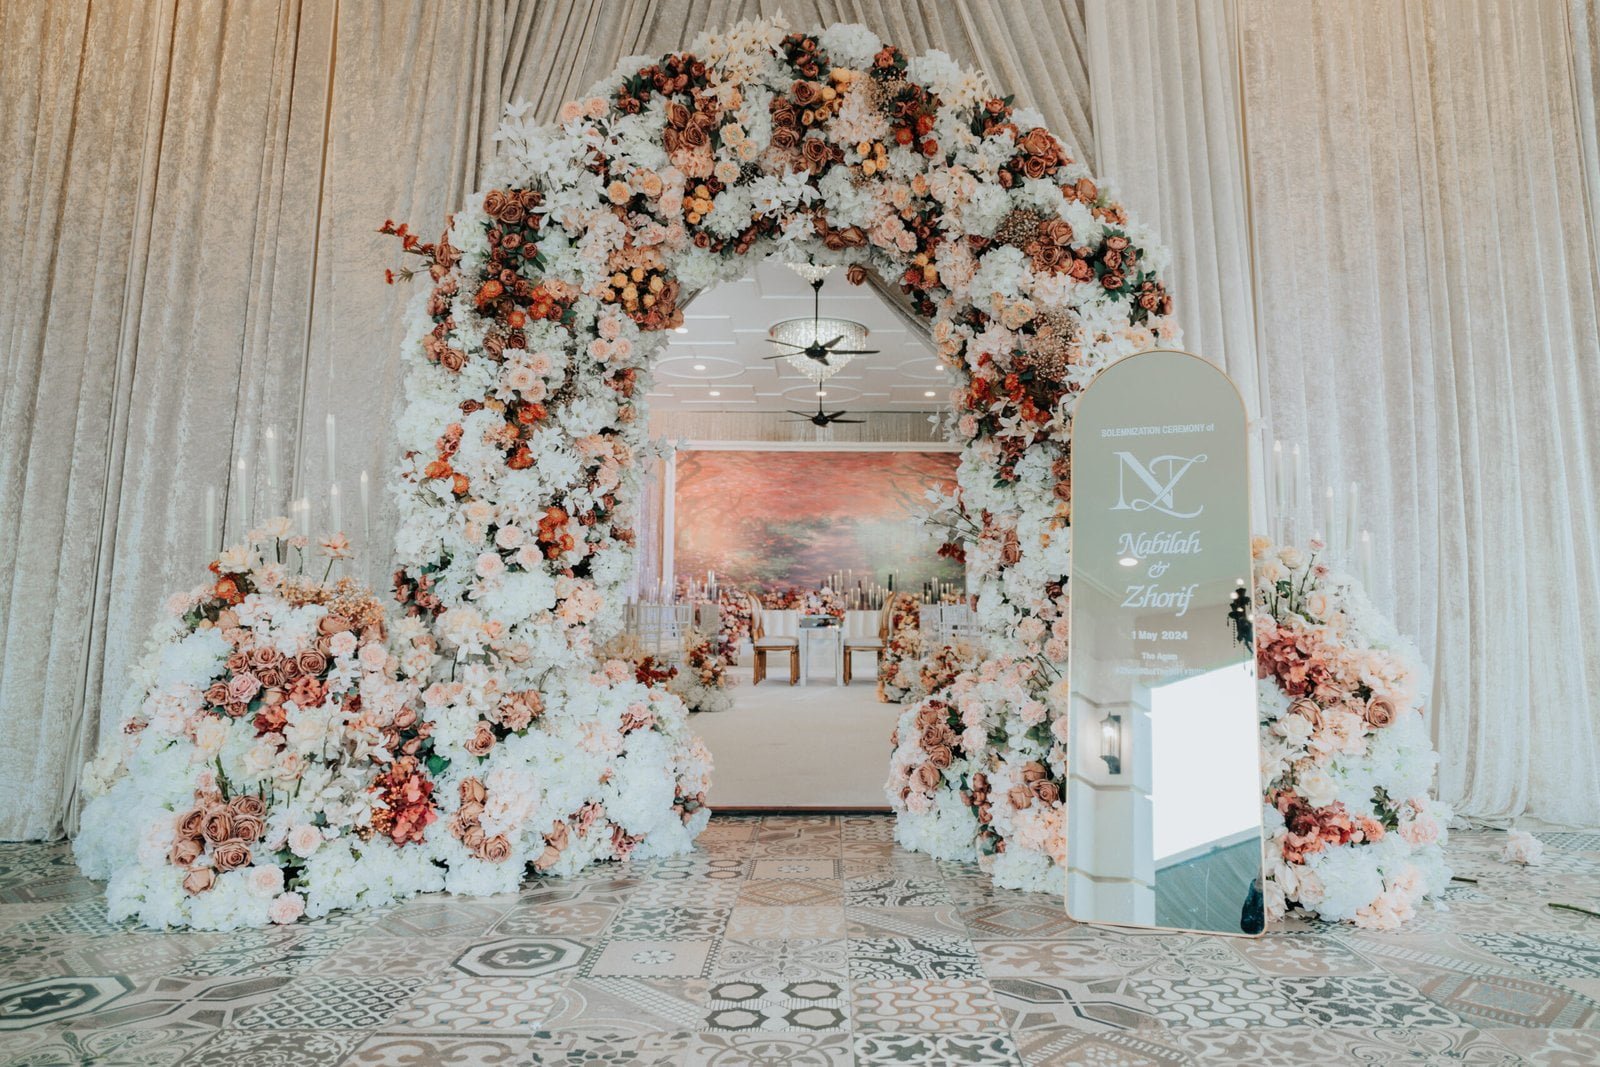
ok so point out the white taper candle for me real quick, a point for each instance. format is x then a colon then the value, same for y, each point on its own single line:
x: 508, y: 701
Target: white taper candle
x: 211, y: 521
x: 241, y: 499
x: 333, y: 449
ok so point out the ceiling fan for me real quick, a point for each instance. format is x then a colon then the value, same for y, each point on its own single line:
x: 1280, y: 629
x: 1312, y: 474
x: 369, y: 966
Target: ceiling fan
x: 822, y: 418
x: 816, y: 349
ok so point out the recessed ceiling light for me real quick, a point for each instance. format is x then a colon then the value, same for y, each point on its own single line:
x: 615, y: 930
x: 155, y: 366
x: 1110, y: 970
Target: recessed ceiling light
x: 1128, y: 561
x: 681, y: 329
x: 930, y: 392
x: 822, y: 392
x: 699, y: 366
x: 716, y: 392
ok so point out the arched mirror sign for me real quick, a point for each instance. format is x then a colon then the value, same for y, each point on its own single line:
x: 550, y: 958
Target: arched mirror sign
x: 1164, y: 791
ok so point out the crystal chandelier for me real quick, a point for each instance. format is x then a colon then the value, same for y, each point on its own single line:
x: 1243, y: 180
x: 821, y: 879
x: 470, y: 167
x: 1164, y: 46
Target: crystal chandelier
x: 811, y: 272
x: 810, y: 332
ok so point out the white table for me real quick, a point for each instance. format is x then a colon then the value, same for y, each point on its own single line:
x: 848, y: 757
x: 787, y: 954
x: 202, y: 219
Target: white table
x: 830, y: 636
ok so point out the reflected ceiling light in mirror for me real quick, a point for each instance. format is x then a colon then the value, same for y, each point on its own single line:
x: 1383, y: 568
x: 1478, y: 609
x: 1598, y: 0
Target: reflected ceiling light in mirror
x: 715, y: 392
x: 1128, y: 561
x: 1111, y: 743
x: 699, y: 366
x: 930, y: 392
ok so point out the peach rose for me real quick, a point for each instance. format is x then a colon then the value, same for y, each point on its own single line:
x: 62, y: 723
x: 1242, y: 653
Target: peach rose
x: 481, y: 741
x: 1020, y: 796
x: 496, y: 849
x: 217, y: 694
x: 192, y: 822
x: 199, y: 880
x: 185, y: 851
x: 1380, y: 712
x: 218, y: 825
x: 928, y: 776
x: 230, y: 856
x: 311, y: 662
x: 248, y: 805
x: 471, y: 790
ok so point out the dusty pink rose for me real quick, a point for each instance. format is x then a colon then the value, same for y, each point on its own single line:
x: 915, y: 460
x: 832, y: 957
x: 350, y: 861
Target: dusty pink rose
x: 287, y: 908
x: 243, y: 688
x: 304, y: 839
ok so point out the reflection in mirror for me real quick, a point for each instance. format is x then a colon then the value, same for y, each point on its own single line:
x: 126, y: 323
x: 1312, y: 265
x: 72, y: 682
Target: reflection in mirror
x: 1164, y: 795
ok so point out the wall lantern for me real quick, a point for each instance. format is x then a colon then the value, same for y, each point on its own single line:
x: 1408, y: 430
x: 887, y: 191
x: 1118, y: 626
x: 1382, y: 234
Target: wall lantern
x: 1111, y: 742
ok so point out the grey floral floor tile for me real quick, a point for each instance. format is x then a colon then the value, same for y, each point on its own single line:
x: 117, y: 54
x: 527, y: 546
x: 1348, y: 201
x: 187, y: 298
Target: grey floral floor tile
x: 147, y: 1047
x: 185, y: 1002
x: 1313, y: 1044
x: 1549, y: 955
x: 904, y: 922
x: 56, y: 1001
x: 741, y: 1006
x: 777, y: 959
x: 892, y: 958
x: 330, y: 1004
x: 1017, y: 920
x: 955, y: 1005
x: 1235, y: 1002
x: 747, y: 922
x: 650, y: 958
x: 768, y: 1050
x: 1040, y: 1005
x: 795, y: 868
x: 1365, y: 1000
x: 462, y: 1004
x: 895, y: 892
x: 878, y: 1047
x: 632, y: 1007
x: 679, y: 922
x: 1059, y: 1047
x: 795, y: 893
x: 521, y: 957
x: 801, y: 940
x: 282, y: 1048
x: 1550, y: 1048
x: 416, y: 1050
x: 602, y: 1049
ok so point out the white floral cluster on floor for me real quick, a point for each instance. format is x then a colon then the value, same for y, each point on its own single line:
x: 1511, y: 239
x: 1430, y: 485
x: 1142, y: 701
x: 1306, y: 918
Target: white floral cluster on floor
x: 1346, y: 760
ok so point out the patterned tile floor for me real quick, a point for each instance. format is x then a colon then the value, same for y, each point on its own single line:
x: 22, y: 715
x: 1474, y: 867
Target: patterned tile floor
x: 802, y: 940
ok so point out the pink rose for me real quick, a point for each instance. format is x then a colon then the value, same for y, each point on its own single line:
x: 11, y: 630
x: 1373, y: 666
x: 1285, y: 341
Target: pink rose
x: 304, y: 839
x: 286, y: 908
x: 373, y: 656
x: 266, y: 881
x: 243, y: 688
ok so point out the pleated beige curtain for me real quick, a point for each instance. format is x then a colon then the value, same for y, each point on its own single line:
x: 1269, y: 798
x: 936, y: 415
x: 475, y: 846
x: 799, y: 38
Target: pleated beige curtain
x: 192, y: 190
x: 1427, y: 274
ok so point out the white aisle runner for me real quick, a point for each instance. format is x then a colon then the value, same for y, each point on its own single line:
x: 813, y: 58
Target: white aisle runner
x: 816, y: 745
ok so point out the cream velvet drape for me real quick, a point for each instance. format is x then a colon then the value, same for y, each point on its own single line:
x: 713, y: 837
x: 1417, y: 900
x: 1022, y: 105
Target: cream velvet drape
x: 191, y: 190
x: 1417, y: 201
x: 1382, y: 217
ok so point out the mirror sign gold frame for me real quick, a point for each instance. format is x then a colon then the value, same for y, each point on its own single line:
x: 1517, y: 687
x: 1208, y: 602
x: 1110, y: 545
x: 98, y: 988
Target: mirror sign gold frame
x: 1163, y: 795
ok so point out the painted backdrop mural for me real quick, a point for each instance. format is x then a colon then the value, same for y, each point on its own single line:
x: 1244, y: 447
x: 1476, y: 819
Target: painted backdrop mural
x: 793, y: 518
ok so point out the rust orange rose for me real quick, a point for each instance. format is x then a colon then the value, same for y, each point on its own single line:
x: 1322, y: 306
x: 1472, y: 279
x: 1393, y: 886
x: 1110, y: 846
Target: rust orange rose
x: 472, y: 789
x: 481, y: 741
x: 496, y: 849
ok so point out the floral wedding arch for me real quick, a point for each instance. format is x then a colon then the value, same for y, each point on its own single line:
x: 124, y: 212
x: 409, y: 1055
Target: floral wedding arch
x: 524, y: 425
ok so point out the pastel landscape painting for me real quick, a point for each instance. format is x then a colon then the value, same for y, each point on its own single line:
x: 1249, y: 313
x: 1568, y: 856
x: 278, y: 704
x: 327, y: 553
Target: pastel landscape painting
x: 791, y: 518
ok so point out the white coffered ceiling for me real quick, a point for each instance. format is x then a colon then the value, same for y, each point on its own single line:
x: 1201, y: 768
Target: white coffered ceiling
x: 716, y: 364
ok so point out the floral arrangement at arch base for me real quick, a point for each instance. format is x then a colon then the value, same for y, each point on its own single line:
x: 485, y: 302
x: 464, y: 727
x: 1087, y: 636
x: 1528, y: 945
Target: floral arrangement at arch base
x: 703, y: 681
x: 272, y: 761
x: 1352, y: 834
